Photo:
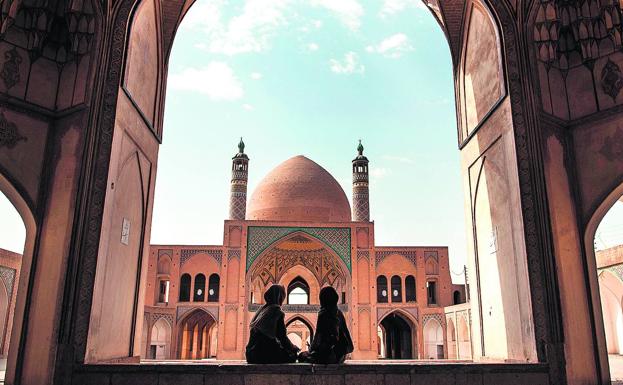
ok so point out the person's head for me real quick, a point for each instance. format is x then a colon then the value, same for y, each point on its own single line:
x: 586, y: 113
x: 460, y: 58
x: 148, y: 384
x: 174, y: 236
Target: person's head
x: 328, y: 297
x: 275, y: 295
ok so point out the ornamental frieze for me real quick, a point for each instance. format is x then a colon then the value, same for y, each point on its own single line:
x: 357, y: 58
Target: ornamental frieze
x: 260, y: 238
x: 187, y: 254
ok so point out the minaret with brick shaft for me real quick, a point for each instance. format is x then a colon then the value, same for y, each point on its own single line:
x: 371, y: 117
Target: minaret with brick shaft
x: 239, y: 178
x: 361, y: 194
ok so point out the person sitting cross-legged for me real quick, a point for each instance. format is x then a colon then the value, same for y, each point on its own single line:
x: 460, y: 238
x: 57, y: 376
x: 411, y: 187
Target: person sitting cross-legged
x: 332, y: 341
x: 268, y: 342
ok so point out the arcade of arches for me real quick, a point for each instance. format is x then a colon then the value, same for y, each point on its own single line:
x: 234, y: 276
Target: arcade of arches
x: 539, y: 108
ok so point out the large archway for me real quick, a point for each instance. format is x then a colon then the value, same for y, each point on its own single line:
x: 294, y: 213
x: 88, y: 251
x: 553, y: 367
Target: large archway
x: 196, y: 336
x: 299, y: 257
x: 398, y: 336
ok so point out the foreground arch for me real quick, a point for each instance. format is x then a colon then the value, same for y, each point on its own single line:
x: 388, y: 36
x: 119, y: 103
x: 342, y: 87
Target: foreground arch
x: 539, y: 157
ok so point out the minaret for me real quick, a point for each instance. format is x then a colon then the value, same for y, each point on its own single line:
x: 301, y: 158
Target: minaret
x: 239, y: 177
x: 361, y: 195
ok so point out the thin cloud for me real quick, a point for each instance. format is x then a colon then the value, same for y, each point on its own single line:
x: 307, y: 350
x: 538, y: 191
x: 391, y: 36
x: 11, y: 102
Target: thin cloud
x: 312, y: 47
x: 349, y: 12
x: 349, y: 65
x: 393, y: 47
x: 217, y: 80
x: 391, y: 7
x: 248, y: 107
x: 251, y: 31
x: 379, y: 172
x: 256, y: 75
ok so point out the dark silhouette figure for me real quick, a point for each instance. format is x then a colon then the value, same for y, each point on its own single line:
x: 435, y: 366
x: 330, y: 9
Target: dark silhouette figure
x: 268, y: 343
x: 332, y: 341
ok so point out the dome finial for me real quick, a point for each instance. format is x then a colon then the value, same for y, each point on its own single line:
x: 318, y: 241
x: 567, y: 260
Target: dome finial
x: 360, y: 148
x: 241, y: 146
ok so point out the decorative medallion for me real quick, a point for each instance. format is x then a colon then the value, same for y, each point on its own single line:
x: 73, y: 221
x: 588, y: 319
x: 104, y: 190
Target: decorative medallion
x: 611, y: 79
x: 9, y: 136
x: 10, y: 68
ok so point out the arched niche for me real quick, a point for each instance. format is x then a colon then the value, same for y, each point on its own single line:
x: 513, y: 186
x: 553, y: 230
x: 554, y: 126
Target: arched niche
x: 451, y: 338
x: 481, y: 73
x: 463, y: 338
x: 433, y: 339
x: 141, y: 82
x: 160, y: 347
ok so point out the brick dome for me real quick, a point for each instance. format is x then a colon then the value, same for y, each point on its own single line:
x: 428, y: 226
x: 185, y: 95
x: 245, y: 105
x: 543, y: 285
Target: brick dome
x: 299, y: 190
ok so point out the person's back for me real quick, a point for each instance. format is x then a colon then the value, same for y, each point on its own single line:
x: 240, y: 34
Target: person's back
x: 332, y: 341
x: 268, y: 342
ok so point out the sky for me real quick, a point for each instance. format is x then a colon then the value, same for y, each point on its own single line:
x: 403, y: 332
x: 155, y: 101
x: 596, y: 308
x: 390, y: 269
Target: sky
x: 312, y: 77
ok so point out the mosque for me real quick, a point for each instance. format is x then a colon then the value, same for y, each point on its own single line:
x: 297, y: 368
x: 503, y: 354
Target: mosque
x: 297, y: 230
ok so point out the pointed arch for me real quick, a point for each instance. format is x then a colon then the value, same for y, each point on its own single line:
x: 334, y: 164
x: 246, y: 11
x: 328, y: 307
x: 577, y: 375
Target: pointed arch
x: 194, y: 334
x: 399, y: 335
x: 433, y: 339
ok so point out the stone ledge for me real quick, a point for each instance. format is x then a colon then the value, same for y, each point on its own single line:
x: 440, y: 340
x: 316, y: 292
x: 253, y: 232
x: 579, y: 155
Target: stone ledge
x: 387, y: 373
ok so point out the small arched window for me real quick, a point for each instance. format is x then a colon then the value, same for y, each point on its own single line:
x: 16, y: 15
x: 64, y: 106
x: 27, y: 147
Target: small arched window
x: 456, y: 297
x: 298, y: 291
x: 213, y: 285
x: 396, y: 289
x: 185, y: 288
x: 200, y: 288
x: 381, y: 289
x: 410, y: 289
x: 431, y: 292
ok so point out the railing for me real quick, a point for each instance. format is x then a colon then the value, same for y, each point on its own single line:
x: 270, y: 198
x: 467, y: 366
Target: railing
x: 297, y: 308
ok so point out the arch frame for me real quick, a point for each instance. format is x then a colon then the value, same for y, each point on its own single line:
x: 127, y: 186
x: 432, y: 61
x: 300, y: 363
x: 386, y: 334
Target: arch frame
x: 413, y: 324
x: 592, y: 279
x: 304, y: 320
x: 252, y: 273
x: 180, y: 324
x: 542, y: 276
x: 17, y: 339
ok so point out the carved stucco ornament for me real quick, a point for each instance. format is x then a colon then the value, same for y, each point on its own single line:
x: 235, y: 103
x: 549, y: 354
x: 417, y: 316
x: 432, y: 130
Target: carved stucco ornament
x: 10, y: 68
x: 611, y: 79
x: 9, y: 136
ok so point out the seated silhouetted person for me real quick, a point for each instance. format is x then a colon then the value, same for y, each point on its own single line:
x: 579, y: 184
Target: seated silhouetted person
x: 268, y: 342
x: 332, y: 341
